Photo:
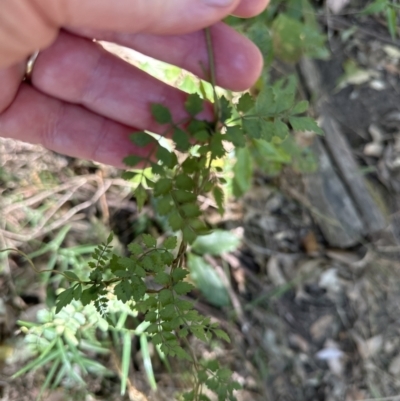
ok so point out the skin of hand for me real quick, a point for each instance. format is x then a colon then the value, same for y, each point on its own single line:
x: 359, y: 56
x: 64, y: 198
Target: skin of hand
x: 85, y: 102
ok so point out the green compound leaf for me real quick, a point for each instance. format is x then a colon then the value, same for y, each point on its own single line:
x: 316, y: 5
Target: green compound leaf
x: 202, y: 136
x: 132, y: 160
x: 200, y: 333
x: 129, y: 175
x: 149, y: 182
x: 189, y: 234
x: 191, y: 210
x: 164, y: 205
x: 141, y: 138
x: 182, y: 354
x: 265, y: 102
x: 165, y: 297
x: 151, y: 317
x: 198, y: 126
x: 162, y: 186
x: 162, y: 278
x: 160, y: 113
x: 149, y: 240
x: 183, y: 181
x: 284, y: 97
x: 225, y: 109
x: 168, y: 158
x: 135, y: 248
x: 140, y: 272
x: 216, y: 243
x: 179, y: 274
x: 216, y: 146
x: 141, y: 196
x: 184, y: 196
x: 168, y: 312
x: 190, y: 165
x: 71, y: 276
x: 183, y: 288
x: 127, y: 263
x: 123, y: 291
x: 300, y: 107
x: 181, y: 140
x: 252, y: 127
x: 281, y: 130
x: 267, y: 130
x: 175, y: 221
x: 212, y: 365
x: 157, y: 169
x: 64, y: 299
x: 243, y: 170
x: 77, y: 292
x: 110, y: 238
x: 170, y: 243
x: 222, y: 335
x: 123, y: 273
x: 194, y: 104
x: 235, y: 135
x: 89, y: 295
x: 246, y: 103
x: 219, y: 198
x: 260, y: 35
x: 305, y: 124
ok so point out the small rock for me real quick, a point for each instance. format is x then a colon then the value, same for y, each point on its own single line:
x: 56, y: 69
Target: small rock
x: 330, y: 281
x: 378, y: 85
x: 373, y: 149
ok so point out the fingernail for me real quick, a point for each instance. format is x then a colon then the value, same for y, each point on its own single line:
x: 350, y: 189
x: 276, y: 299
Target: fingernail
x: 218, y: 3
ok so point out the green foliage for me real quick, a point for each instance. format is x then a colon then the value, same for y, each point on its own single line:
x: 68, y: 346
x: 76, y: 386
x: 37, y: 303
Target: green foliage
x: 59, y: 340
x: 153, y: 278
x: 208, y: 281
x: 389, y: 9
x: 286, y: 30
x: 216, y: 243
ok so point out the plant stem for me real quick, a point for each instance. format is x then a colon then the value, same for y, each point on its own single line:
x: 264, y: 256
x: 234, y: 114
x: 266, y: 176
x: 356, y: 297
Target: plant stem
x: 211, y: 66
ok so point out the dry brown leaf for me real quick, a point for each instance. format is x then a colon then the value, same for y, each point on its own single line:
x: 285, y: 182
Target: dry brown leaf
x: 310, y: 243
x: 320, y: 327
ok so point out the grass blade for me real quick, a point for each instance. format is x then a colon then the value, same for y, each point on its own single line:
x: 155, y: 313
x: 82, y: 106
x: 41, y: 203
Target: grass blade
x: 49, y: 377
x: 126, y: 359
x: 148, y: 366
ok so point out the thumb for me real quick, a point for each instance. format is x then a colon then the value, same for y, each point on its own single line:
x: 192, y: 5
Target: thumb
x: 29, y: 25
x: 150, y: 16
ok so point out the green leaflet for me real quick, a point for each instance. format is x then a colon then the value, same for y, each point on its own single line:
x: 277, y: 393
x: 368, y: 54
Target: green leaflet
x: 243, y: 171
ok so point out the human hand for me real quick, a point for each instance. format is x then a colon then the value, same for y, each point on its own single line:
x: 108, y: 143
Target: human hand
x: 83, y: 101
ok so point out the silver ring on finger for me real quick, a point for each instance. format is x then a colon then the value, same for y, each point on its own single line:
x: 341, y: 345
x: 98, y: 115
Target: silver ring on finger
x: 30, y: 64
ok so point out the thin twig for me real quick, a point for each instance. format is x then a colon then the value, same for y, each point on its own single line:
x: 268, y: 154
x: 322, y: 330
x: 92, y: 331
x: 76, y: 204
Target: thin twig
x: 211, y: 65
